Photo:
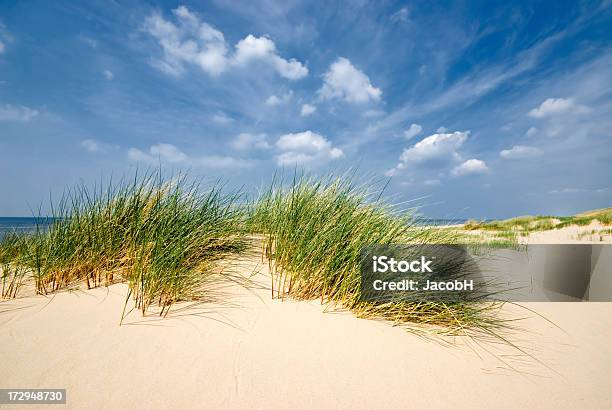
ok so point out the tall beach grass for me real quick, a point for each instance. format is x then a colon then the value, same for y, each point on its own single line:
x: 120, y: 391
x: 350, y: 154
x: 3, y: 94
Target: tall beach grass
x: 165, y: 239
x: 160, y: 237
x: 314, y: 232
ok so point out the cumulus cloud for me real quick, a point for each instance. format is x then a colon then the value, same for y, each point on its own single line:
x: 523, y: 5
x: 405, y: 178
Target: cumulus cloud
x: 520, y: 152
x: 170, y: 154
x: 246, y: 141
x: 263, y: 48
x: 413, y: 131
x: 274, y: 100
x: 440, y: 148
x: 307, y: 109
x: 305, y: 148
x: 557, y: 106
x: 19, y: 113
x: 434, y: 147
x: 471, y: 166
x: 346, y: 82
x: 193, y: 41
x: 108, y: 74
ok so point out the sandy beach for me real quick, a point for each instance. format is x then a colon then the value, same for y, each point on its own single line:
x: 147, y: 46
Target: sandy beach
x: 256, y: 352
x: 272, y: 204
x: 595, y: 232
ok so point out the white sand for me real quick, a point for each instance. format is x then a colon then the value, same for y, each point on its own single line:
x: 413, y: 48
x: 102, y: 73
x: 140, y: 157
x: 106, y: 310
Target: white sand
x: 271, y: 354
x: 595, y: 232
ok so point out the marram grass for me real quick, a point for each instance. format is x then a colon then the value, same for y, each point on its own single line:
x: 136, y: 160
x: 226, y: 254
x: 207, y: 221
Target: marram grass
x: 12, y: 273
x: 164, y: 239
x: 314, y: 231
x: 160, y: 237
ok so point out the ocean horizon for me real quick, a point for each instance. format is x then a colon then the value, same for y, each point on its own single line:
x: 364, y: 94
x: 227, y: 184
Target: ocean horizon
x: 25, y: 224
x: 22, y: 224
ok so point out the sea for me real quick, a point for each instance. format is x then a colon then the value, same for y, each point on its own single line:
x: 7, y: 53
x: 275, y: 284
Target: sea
x: 29, y: 224
x: 20, y: 224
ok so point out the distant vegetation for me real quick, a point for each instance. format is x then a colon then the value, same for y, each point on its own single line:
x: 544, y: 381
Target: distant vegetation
x: 526, y: 224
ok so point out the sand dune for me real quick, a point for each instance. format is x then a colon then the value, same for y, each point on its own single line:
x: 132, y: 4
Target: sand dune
x: 595, y: 232
x: 264, y: 353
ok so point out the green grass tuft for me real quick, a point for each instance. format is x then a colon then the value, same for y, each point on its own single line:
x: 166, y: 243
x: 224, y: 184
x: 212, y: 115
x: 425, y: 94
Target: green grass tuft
x: 161, y: 237
x: 314, y: 233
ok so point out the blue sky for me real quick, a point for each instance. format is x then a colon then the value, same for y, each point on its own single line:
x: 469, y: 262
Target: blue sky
x: 480, y: 109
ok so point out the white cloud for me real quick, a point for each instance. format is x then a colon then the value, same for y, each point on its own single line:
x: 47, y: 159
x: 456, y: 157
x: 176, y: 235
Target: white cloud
x: 170, y: 154
x: 246, y: 141
x: 395, y: 169
x: 21, y: 113
x: 263, y: 48
x: 413, y: 131
x: 471, y: 166
x: 344, y: 81
x: 307, y: 109
x: 441, y: 130
x: 273, y: 100
x: 222, y: 118
x: 531, y: 132
x: 90, y: 145
x: 436, y: 148
x: 304, y: 148
x: 108, y: 74
x: 556, y: 106
x: 253, y: 48
x: 192, y: 41
x: 520, y: 151
x: 2, y: 47
x: 292, y: 69
x: 95, y: 146
x: 400, y: 15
